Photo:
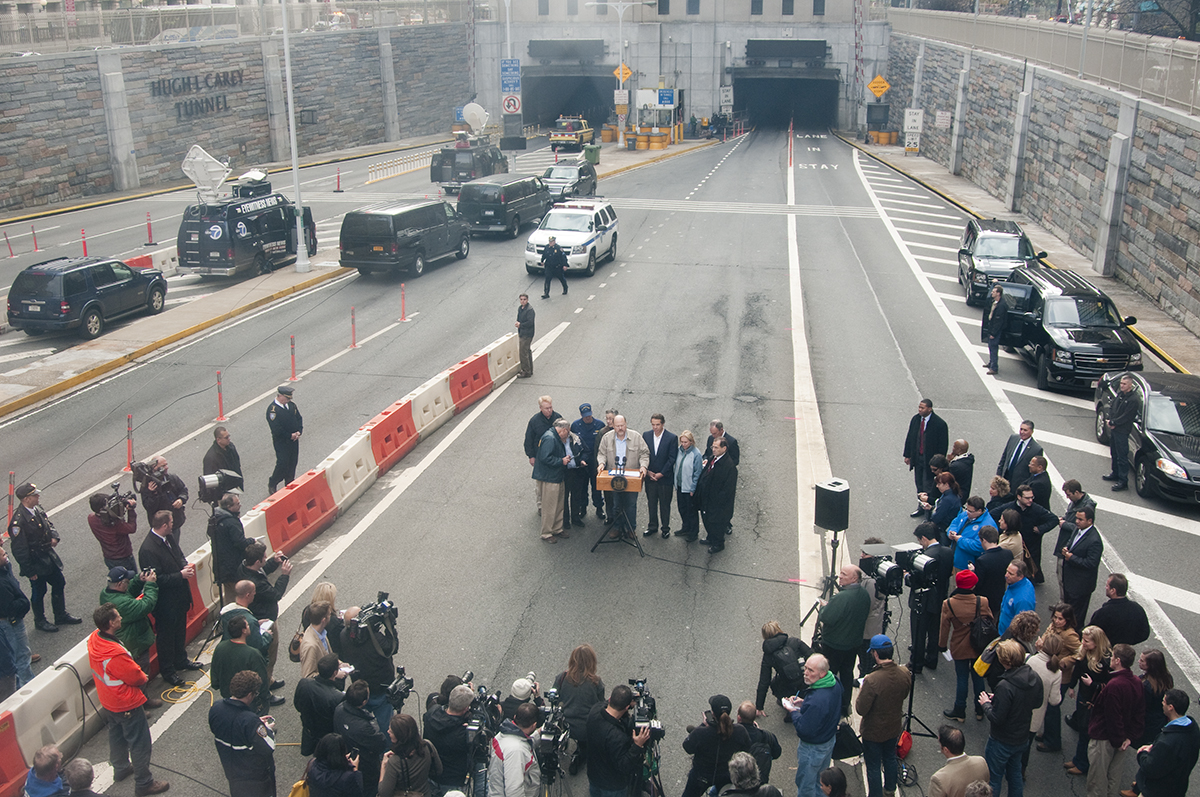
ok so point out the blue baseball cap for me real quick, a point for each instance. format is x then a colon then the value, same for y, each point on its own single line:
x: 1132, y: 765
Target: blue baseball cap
x: 879, y: 642
x: 585, y: 410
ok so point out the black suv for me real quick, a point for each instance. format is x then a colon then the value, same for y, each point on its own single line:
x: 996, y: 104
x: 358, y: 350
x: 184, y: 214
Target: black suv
x: 1068, y: 328
x: 502, y: 202
x: 402, y: 235
x: 83, y: 292
x: 453, y: 166
x: 989, y: 251
x: 1165, y: 442
x: 571, y: 179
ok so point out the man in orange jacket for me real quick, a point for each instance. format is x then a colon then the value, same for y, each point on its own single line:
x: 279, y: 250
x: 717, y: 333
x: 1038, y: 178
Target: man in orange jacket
x: 118, y: 681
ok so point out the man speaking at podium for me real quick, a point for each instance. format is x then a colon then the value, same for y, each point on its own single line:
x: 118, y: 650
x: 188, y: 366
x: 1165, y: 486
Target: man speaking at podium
x: 625, y: 450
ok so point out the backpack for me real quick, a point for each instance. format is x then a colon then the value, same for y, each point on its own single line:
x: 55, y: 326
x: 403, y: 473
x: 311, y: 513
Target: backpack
x: 981, y: 631
x: 760, y: 748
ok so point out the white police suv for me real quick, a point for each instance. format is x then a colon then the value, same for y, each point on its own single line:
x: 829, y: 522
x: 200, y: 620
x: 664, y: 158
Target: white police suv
x: 586, y: 229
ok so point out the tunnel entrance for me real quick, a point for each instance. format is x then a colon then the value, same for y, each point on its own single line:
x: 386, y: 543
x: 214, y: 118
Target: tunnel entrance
x: 772, y: 97
x: 551, y: 91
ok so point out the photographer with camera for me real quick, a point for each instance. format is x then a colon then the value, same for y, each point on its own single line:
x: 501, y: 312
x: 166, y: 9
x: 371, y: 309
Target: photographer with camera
x: 614, y: 750
x: 265, y: 605
x: 446, y: 729
x: 316, y: 699
x: 113, y: 522
x: 162, y: 491
x: 353, y: 720
x: 368, y: 644
x: 135, y: 598
x: 514, y: 770
x: 925, y: 600
x: 229, y: 542
x: 711, y: 745
x: 524, y: 690
x: 33, y: 542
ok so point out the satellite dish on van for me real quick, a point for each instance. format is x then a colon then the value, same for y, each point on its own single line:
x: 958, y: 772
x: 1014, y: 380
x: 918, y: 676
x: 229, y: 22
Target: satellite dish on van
x: 206, y: 172
x: 475, y: 116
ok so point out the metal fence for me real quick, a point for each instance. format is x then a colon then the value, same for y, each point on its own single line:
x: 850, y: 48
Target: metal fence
x: 1160, y: 69
x: 47, y: 32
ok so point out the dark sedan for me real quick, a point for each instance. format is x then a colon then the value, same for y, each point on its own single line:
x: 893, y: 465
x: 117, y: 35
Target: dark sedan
x: 1164, y: 448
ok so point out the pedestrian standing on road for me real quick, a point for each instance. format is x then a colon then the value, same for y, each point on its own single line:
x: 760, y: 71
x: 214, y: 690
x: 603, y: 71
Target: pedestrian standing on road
x: 959, y: 610
x: 221, y: 455
x: 1116, y: 723
x: 1165, y: 766
x: 265, y: 606
x: 538, y: 425
x: 589, y: 429
x: 925, y: 606
x: 229, y: 541
x: 135, y: 598
x: 962, y: 465
x: 716, y: 431
x: 842, y: 620
x: 1090, y: 670
x: 554, y: 260
x: 999, y: 493
x: 283, y: 416
x: 1156, y: 681
x: 1034, y: 522
x: 114, y: 533
x: 1122, y: 618
x: 164, y: 491
x: 118, y: 687
x: 927, y: 435
x: 960, y: 769
x: 1119, y: 416
x: 524, y: 325
x: 995, y: 324
x: 623, y: 449
x: 1010, y: 711
x: 963, y: 532
x: 160, y: 551
x: 579, y: 687
x: 814, y: 715
x: 550, y: 474
x: 33, y: 542
x: 15, y: 658
x: 245, y: 741
x: 711, y: 744
x: 1081, y: 555
x: 1039, y: 482
x: 686, y: 477
x: 575, y: 485
x: 880, y: 703
x: 235, y: 655
x: 1018, y: 597
x: 660, y: 474
x: 764, y: 745
x: 1076, y: 500
x: 1047, y: 663
x: 1062, y: 627
x: 716, y: 492
x: 1020, y: 448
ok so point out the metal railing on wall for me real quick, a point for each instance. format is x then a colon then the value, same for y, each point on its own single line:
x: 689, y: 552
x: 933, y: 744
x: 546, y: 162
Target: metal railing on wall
x: 401, y: 165
x: 46, y: 32
x: 1159, y: 69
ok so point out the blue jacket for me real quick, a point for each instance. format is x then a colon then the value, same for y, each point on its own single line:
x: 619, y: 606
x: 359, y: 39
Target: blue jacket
x: 692, y: 455
x: 968, y: 545
x: 817, y: 720
x: 587, y: 435
x: 1017, y: 598
x: 548, y: 461
x: 945, y: 509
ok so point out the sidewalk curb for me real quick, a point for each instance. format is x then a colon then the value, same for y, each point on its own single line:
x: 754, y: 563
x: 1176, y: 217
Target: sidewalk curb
x: 1157, y: 350
x: 659, y: 159
x: 100, y: 370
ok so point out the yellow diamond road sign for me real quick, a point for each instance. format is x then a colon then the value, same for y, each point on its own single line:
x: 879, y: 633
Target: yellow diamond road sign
x: 878, y: 86
x: 623, y: 72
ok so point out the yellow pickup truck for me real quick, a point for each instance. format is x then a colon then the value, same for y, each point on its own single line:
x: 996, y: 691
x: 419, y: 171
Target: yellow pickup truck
x: 571, y: 131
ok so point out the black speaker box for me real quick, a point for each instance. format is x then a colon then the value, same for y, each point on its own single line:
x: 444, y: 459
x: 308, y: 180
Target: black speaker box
x: 833, y: 505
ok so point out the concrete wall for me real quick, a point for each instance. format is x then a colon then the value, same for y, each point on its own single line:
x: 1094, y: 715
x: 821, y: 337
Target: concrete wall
x: 1115, y: 176
x: 57, y: 145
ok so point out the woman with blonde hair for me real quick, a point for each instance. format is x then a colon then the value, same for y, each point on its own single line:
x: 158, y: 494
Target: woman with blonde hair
x: 579, y: 687
x: 782, y: 668
x: 999, y: 493
x: 1091, y: 670
x: 687, y: 476
x: 326, y: 591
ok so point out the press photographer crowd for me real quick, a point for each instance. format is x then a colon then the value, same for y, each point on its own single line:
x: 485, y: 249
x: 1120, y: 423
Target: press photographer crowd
x: 974, y: 577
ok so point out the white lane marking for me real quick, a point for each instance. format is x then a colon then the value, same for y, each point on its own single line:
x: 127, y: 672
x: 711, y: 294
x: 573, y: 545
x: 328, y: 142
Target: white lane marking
x: 909, y: 204
x: 1073, y: 443
x: 1003, y: 354
x: 1164, y: 628
x: 943, y: 277
x: 940, y: 260
x: 924, y: 214
x: 963, y: 320
x: 578, y: 310
x: 593, y: 296
x: 934, y: 247
x: 25, y: 355
x: 1046, y: 395
x: 929, y: 234
x: 1169, y: 594
x: 403, y: 480
x: 954, y: 297
x: 935, y: 224
x: 34, y: 230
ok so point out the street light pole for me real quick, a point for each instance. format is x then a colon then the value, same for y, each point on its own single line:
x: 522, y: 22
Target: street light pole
x: 622, y: 6
x: 508, y: 28
x: 302, y: 264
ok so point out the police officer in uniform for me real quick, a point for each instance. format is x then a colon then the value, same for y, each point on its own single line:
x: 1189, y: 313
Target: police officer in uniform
x: 286, y: 427
x: 33, y: 541
x: 245, y: 741
x: 554, y: 260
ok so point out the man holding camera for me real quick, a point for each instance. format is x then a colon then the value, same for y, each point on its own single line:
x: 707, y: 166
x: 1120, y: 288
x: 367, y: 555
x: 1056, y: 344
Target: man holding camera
x: 113, y: 526
x: 33, y: 542
x: 135, y: 598
x: 163, y: 491
x: 446, y: 729
x: 265, y: 606
x: 369, y: 650
x: 925, y: 602
x: 514, y: 770
x: 160, y: 552
x: 614, y: 755
x: 354, y: 721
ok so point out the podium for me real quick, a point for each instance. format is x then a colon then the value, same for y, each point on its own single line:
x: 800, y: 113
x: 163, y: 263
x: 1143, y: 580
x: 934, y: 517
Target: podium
x: 619, y: 481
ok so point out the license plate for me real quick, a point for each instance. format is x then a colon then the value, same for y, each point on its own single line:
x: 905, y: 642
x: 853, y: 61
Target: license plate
x: 489, y: 213
x: 33, y: 308
x: 214, y: 255
x: 376, y: 248
x: 1094, y: 383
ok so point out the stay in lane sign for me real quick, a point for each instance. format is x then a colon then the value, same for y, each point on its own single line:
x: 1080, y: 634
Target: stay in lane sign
x: 510, y: 75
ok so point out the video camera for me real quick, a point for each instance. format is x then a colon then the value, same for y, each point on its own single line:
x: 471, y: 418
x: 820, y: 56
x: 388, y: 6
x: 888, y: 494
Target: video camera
x: 552, y: 740
x: 645, y: 712
x: 117, y: 507
x: 483, y: 721
x: 379, y: 619
x: 399, y: 689
x: 896, y: 566
x: 147, y: 471
x: 215, y: 485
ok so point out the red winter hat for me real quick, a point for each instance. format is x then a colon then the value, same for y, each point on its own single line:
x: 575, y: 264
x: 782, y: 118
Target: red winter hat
x: 966, y: 579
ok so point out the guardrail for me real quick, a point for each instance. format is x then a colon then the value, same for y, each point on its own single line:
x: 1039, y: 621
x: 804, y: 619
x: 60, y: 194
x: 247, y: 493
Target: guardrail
x: 397, y: 166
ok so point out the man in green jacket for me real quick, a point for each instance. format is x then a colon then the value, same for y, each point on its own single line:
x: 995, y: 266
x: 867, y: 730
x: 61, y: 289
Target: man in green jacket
x: 234, y: 655
x: 135, y: 599
x: 842, y: 621
x: 244, y: 594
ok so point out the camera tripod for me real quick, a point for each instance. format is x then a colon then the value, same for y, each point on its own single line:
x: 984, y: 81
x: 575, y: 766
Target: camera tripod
x: 829, y: 582
x: 908, y: 773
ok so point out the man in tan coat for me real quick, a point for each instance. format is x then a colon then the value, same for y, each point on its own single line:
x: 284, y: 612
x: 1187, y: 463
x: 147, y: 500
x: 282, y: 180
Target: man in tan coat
x: 961, y: 770
x: 625, y: 448
x: 880, y: 703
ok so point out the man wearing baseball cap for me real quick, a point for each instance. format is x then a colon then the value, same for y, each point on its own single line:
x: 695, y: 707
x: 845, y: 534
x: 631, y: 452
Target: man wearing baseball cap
x: 135, y: 598
x: 880, y: 703
x: 33, y: 542
x: 283, y: 416
x: 589, y: 428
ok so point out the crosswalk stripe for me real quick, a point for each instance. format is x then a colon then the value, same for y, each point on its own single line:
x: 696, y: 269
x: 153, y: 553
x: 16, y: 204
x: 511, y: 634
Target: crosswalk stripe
x: 1046, y: 395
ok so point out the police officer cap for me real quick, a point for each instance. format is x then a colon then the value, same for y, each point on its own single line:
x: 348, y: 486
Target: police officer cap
x: 27, y: 489
x: 286, y: 390
x: 119, y: 574
x: 585, y: 409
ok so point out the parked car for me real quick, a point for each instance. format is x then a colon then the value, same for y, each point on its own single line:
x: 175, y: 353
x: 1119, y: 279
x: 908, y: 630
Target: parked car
x: 450, y: 167
x: 1164, y: 447
x: 571, y: 179
x: 989, y: 251
x: 1067, y: 328
x: 82, y: 292
x: 502, y: 202
x: 586, y: 229
x: 392, y: 236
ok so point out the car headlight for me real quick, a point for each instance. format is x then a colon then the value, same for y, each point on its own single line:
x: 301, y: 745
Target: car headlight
x: 979, y: 278
x: 1135, y: 358
x: 579, y: 249
x: 1171, y: 469
x: 531, y: 247
x: 1063, y: 357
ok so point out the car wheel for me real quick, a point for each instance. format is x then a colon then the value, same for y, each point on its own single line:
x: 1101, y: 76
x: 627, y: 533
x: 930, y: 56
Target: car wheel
x: 464, y: 248
x: 1043, y: 373
x: 418, y: 266
x: 1101, y: 428
x: 591, y: 266
x: 157, y: 300
x: 92, y: 324
x: 312, y: 244
x: 34, y: 332
x: 1141, y: 478
x: 970, y: 299
x: 958, y: 274
x: 364, y: 271
x: 514, y: 227
x: 612, y: 250
x: 260, y: 264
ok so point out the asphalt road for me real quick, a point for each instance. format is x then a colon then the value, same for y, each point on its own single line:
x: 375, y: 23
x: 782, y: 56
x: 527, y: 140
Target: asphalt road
x: 692, y: 321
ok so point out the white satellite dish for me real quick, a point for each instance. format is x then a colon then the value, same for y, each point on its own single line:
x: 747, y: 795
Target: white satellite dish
x: 206, y: 172
x: 475, y: 116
